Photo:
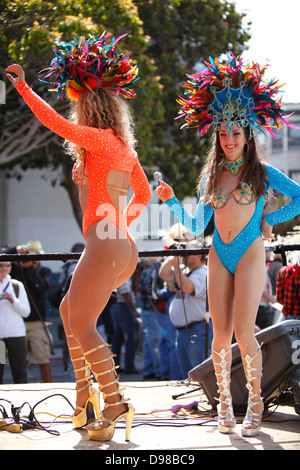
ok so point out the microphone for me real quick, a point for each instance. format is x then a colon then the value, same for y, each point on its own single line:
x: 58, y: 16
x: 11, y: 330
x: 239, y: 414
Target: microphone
x: 157, y: 175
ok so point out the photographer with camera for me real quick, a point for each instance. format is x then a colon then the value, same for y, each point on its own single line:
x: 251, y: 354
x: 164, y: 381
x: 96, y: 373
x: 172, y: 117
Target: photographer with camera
x: 14, y: 307
x: 188, y: 308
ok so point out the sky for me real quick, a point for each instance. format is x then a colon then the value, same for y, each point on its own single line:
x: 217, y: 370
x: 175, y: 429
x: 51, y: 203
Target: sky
x: 275, y: 34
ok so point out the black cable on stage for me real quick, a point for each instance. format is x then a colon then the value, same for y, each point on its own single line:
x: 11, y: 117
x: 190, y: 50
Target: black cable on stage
x: 31, y: 422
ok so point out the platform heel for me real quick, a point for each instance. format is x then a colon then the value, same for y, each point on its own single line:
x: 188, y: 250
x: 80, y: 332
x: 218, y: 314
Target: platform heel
x: 86, y: 414
x: 252, y: 422
x: 103, y: 429
x: 226, y: 419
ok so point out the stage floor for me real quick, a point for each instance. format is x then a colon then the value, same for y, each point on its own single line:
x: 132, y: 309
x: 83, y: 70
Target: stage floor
x: 152, y: 430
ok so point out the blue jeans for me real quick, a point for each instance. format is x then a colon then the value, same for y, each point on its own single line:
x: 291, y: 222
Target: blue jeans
x: 169, y: 363
x: 124, y: 330
x: 152, y: 339
x: 190, y: 348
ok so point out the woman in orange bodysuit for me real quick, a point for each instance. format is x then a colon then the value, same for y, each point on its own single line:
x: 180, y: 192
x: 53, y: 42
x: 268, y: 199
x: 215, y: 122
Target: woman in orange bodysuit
x: 101, y: 140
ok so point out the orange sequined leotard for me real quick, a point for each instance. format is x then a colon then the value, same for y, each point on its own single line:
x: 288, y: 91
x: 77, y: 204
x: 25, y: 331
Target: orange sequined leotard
x: 104, y: 152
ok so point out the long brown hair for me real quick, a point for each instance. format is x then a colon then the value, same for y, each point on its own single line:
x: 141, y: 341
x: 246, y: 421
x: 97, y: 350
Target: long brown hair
x: 103, y: 110
x: 253, y: 169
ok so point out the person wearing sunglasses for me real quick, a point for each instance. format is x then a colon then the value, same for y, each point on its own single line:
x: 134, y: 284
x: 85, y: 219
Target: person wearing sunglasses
x: 14, y: 307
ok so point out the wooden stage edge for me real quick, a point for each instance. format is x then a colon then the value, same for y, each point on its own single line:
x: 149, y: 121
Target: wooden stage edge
x: 158, y: 426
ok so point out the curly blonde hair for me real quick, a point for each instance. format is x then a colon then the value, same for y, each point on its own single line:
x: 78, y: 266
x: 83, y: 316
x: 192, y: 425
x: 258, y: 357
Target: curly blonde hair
x: 103, y: 110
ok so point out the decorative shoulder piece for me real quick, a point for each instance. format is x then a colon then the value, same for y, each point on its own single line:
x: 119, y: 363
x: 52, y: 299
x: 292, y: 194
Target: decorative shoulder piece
x: 232, y: 93
x: 82, y: 65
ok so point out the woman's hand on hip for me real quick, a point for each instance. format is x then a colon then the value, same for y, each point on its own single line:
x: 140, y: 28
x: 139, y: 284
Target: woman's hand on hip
x: 266, y: 230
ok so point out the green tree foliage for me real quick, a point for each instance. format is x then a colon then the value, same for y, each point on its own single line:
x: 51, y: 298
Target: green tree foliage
x: 28, y: 31
x: 167, y: 38
x: 183, y: 34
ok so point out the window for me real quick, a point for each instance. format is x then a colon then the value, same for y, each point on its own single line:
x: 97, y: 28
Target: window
x: 277, y: 144
x: 294, y: 136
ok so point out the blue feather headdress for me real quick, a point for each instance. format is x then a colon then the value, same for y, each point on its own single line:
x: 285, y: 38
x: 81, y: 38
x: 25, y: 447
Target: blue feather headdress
x: 231, y: 93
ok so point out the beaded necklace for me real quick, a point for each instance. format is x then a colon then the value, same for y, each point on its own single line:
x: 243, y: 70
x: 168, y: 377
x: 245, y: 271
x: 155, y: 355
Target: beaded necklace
x: 233, y: 166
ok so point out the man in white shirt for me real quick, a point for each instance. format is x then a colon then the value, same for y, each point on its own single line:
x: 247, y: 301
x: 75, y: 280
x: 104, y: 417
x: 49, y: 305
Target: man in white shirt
x: 14, y: 306
x: 188, y: 309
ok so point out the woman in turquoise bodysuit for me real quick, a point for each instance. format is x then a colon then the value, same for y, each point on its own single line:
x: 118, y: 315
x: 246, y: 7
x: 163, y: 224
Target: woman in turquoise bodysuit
x: 233, y: 187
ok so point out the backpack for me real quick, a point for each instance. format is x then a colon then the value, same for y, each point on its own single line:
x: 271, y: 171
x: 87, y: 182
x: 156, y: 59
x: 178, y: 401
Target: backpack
x: 16, y: 287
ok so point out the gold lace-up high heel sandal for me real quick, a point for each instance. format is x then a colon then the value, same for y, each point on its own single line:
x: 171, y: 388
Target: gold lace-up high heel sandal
x: 226, y: 419
x: 103, y: 429
x: 91, y: 409
x: 252, y: 422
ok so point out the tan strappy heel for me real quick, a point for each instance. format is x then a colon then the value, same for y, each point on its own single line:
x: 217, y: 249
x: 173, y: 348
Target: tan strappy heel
x: 103, y: 429
x: 91, y: 409
x: 252, y: 422
x: 226, y: 419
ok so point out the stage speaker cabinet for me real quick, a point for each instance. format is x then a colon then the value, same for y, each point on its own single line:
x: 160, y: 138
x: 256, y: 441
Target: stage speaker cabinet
x: 280, y: 354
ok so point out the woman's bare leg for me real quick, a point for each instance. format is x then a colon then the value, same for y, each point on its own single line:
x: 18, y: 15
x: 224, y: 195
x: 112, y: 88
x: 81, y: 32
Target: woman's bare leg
x: 125, y: 275
x: 220, y: 287
x: 221, y: 303
x: 76, y: 356
x: 103, y: 265
x: 249, y: 284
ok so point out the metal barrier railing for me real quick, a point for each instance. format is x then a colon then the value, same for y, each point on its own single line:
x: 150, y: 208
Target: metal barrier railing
x: 278, y: 249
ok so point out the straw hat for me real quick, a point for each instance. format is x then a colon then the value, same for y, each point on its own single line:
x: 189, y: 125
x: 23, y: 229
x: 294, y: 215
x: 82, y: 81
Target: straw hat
x: 34, y: 247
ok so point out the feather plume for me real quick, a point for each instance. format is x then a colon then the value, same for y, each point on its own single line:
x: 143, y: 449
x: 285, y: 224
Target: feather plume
x: 82, y: 65
x: 231, y: 92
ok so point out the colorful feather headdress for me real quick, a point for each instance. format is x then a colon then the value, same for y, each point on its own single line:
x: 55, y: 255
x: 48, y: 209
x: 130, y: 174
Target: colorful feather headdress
x: 91, y: 64
x: 231, y: 93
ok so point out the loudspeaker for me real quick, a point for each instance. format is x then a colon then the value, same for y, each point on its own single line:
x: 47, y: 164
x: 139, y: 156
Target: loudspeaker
x: 295, y: 386
x: 280, y: 355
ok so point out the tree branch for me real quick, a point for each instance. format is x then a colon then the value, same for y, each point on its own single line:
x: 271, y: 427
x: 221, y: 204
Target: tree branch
x: 18, y: 140
x: 20, y: 147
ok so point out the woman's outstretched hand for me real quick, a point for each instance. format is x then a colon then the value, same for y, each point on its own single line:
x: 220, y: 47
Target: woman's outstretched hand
x: 164, y: 191
x: 18, y: 70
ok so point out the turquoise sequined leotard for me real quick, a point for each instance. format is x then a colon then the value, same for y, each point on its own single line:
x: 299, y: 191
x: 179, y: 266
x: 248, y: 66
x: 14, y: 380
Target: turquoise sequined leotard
x: 231, y: 253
